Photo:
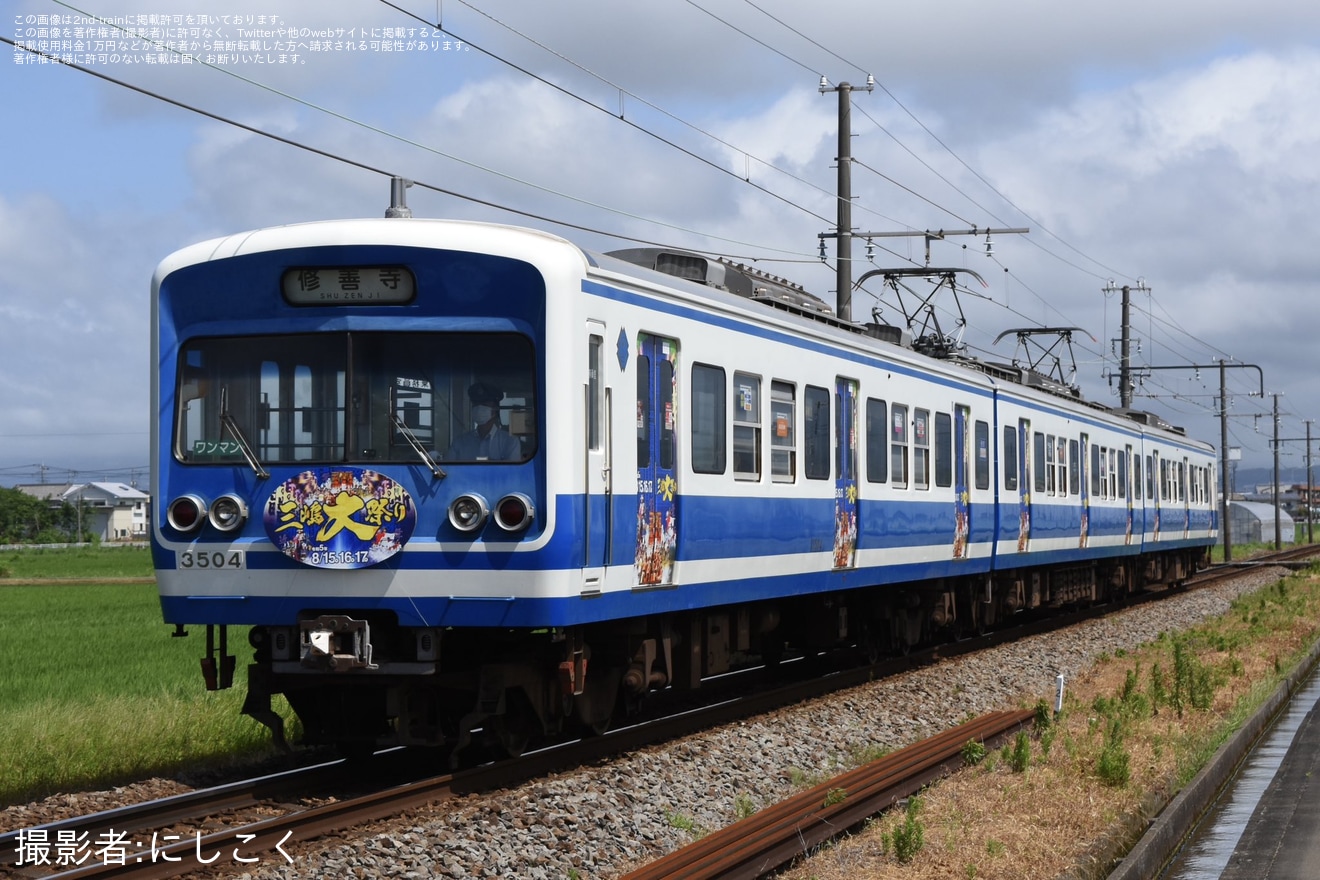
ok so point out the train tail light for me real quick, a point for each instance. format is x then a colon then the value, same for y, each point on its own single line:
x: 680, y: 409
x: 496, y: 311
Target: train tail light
x: 514, y: 512
x: 186, y: 513
x: 228, y: 513
x: 468, y: 513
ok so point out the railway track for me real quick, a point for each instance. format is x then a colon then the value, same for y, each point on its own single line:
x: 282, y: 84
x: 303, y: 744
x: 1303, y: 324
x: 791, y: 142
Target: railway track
x: 163, y: 838
x: 775, y: 836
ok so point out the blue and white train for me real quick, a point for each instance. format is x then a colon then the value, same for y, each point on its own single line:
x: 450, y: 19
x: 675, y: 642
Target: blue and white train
x: 680, y: 467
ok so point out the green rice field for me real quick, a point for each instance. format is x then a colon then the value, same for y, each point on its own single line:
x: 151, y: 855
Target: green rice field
x: 93, y: 689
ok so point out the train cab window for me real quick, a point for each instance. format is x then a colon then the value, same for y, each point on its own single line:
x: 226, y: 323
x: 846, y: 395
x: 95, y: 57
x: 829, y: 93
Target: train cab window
x: 1010, y: 458
x: 746, y: 426
x: 898, y: 446
x: 371, y: 398
x: 1041, y: 468
x: 982, y: 453
x: 708, y: 419
x: 1074, y: 469
x: 816, y: 428
x: 783, y: 433
x: 877, y: 441
x: 943, y: 450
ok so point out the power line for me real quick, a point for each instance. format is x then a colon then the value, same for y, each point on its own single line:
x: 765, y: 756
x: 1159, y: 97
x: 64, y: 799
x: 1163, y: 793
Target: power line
x: 620, y: 116
x: 383, y: 172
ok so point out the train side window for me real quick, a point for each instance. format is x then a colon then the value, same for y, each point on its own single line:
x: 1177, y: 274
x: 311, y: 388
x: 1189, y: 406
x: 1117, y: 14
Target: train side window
x: 943, y: 450
x: 1136, y: 477
x: 746, y: 426
x: 708, y: 419
x: 666, y: 411
x: 921, y: 449
x: 1113, y: 474
x: 1074, y: 468
x: 816, y: 427
x: 1051, y: 466
x: 783, y: 432
x: 877, y: 440
x: 1096, y: 482
x: 644, y: 410
x: 594, y: 372
x: 982, y: 440
x: 1061, y: 448
x: 1039, y: 466
x: 1010, y: 458
x: 1122, y: 471
x: 898, y: 448
x: 1150, y: 477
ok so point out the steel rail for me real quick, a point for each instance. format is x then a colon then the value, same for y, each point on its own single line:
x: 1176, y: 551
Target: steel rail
x: 767, y: 840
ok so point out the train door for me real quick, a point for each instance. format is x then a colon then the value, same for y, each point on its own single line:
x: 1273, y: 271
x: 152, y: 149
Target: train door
x: 657, y: 480
x: 962, y: 499
x: 1159, y: 474
x: 1024, y: 485
x: 845, y: 473
x: 1184, y: 486
x: 1128, y: 475
x: 597, y: 512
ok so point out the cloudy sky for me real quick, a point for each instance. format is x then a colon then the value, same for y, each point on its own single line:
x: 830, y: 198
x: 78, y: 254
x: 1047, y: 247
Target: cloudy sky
x: 1173, y: 147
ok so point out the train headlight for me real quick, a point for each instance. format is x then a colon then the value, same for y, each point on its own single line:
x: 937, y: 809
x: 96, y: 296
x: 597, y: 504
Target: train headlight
x: 186, y: 513
x: 467, y: 513
x: 228, y: 513
x: 514, y: 512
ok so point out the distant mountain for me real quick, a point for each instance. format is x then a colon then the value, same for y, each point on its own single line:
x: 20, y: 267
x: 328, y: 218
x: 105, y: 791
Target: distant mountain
x: 1247, y: 479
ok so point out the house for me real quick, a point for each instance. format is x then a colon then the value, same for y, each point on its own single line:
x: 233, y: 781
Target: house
x: 111, y: 511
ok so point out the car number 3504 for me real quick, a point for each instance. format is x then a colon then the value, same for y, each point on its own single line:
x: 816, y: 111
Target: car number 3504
x: 194, y: 559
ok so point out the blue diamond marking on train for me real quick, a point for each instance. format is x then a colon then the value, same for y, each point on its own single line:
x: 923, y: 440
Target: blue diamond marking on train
x: 623, y: 349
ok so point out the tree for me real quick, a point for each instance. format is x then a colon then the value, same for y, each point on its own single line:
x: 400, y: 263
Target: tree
x: 25, y: 519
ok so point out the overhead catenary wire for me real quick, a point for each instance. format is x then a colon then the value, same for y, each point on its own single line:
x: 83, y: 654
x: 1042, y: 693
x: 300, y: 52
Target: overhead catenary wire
x: 544, y: 218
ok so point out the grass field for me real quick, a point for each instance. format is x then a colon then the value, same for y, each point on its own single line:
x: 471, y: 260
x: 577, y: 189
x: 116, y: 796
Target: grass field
x: 80, y: 562
x: 96, y: 692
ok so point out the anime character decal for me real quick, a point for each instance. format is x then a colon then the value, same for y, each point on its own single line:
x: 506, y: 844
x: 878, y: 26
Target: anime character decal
x: 340, y: 517
x: 845, y: 483
x: 657, y: 484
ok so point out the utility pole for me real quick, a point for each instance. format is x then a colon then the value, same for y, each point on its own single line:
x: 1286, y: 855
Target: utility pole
x: 1310, y: 477
x: 1224, y: 522
x: 1278, y: 528
x: 843, y: 231
x: 1125, y: 384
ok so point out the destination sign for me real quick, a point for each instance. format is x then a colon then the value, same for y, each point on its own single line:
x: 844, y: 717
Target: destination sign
x: 349, y: 286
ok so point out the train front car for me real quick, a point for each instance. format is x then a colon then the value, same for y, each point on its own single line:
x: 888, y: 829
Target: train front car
x: 351, y: 458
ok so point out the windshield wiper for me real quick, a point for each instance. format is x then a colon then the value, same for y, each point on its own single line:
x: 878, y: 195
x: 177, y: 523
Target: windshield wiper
x: 416, y: 444
x: 227, y: 420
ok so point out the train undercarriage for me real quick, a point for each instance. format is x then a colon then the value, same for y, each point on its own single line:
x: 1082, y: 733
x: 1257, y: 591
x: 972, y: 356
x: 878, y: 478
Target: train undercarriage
x: 362, y: 683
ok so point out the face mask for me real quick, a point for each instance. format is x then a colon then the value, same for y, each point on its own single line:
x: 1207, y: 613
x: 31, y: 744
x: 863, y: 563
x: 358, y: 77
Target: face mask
x: 481, y: 414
